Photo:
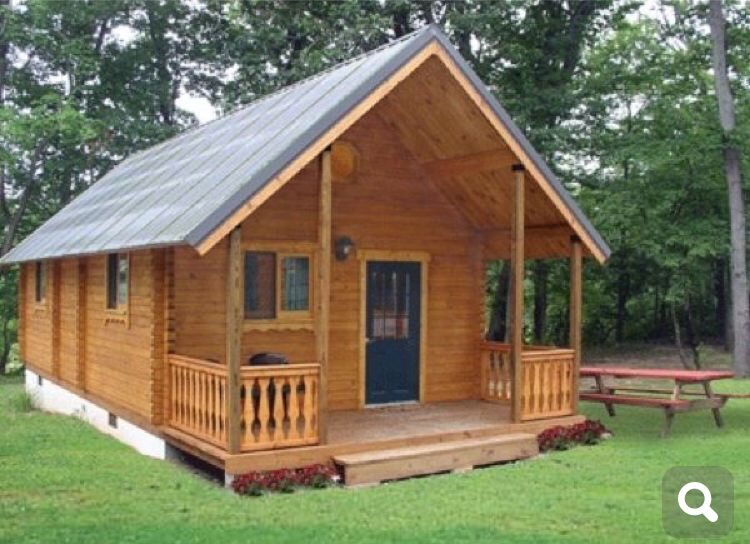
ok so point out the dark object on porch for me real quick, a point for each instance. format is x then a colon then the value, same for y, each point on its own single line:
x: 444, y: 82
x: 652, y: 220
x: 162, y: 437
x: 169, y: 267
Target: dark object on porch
x: 266, y: 359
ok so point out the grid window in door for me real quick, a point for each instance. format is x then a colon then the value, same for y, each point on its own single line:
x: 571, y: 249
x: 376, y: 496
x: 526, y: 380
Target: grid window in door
x: 295, y: 284
x: 390, y: 312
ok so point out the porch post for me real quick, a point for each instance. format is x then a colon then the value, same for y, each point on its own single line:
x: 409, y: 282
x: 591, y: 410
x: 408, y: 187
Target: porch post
x: 235, y: 311
x: 323, y: 297
x: 576, y: 308
x: 516, y: 290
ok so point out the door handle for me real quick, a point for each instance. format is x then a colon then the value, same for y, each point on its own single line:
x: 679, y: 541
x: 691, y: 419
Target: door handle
x: 369, y: 340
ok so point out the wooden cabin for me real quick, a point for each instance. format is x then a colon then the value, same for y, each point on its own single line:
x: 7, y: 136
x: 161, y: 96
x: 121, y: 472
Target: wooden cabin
x: 303, y: 279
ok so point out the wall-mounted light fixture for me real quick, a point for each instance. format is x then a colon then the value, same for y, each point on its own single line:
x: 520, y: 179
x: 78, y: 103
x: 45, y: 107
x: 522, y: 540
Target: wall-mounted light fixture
x: 343, y: 248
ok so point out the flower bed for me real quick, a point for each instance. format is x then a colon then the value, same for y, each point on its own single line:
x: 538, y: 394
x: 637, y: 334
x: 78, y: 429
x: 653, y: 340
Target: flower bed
x: 563, y: 438
x: 284, y: 480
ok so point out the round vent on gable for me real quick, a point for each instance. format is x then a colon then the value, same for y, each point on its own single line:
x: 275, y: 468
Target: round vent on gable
x: 344, y: 161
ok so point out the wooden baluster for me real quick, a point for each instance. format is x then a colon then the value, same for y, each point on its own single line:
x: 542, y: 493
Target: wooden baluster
x: 485, y: 372
x: 506, y: 376
x: 294, y: 433
x: 307, y: 408
x: 222, y: 409
x: 556, y: 398
x: 203, y: 403
x: 279, y: 410
x: 264, y: 412
x: 527, y: 402
x: 174, y: 415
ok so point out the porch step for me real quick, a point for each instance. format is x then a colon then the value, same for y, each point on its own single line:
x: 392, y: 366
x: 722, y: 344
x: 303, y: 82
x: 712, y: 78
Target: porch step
x: 457, y: 455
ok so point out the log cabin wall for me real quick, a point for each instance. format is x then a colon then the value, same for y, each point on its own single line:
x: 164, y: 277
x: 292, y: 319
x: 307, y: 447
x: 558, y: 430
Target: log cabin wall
x: 71, y: 338
x: 69, y: 317
x: 37, y: 322
x: 389, y: 204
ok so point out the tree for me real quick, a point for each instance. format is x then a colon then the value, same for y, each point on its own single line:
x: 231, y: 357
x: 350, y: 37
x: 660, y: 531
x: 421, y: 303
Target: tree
x: 733, y: 173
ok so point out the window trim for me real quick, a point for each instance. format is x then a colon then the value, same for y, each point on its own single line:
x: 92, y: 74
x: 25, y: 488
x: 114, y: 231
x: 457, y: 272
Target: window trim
x: 120, y: 313
x: 285, y: 319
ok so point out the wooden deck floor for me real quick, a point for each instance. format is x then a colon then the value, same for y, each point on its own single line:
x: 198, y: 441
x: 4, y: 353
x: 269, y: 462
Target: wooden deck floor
x: 413, y: 420
x: 379, y: 429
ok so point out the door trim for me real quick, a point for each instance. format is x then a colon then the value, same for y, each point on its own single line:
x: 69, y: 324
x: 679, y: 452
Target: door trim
x: 365, y: 256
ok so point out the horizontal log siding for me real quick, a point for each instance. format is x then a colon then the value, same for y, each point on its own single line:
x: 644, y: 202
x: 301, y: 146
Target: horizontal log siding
x: 389, y: 205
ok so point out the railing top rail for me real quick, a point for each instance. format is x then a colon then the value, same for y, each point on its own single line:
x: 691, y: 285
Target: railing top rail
x: 192, y: 363
x: 293, y: 369
x: 557, y: 353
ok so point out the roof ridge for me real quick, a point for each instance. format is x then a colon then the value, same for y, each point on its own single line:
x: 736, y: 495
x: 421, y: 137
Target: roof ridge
x: 279, y: 91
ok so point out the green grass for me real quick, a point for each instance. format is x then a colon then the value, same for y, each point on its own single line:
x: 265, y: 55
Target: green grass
x: 62, y: 481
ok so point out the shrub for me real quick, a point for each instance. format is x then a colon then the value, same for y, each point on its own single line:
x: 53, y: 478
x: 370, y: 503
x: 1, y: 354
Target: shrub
x: 284, y: 480
x: 562, y: 438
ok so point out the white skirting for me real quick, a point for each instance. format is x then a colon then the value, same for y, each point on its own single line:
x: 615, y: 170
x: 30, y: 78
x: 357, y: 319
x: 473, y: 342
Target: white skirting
x: 51, y: 397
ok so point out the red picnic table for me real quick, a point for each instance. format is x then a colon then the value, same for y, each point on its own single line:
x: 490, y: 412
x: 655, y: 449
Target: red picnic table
x: 674, y: 403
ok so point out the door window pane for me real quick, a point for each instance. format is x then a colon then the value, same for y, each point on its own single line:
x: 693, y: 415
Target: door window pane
x: 390, y: 312
x: 295, y: 278
x: 260, y: 285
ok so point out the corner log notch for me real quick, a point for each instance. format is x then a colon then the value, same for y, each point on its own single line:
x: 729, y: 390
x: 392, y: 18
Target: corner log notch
x: 484, y: 161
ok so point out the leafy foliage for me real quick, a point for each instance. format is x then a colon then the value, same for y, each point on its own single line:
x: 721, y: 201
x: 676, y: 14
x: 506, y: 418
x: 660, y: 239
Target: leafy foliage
x: 616, y: 96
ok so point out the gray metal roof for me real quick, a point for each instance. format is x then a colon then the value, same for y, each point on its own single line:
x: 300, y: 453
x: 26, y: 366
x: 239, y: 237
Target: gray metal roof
x: 182, y: 189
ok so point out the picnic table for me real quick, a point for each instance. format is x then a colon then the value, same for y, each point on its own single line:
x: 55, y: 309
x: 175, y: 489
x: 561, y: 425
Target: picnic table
x: 646, y: 396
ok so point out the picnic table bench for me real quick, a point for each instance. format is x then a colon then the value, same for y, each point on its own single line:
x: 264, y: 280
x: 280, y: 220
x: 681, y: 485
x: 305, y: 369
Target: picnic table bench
x: 644, y: 396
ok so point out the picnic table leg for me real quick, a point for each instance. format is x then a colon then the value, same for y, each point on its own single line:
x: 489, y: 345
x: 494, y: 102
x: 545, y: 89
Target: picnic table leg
x: 605, y: 391
x: 716, y: 411
x: 668, y: 418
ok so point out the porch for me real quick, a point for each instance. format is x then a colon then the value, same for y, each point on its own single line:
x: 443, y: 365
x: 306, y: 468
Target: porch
x: 280, y: 410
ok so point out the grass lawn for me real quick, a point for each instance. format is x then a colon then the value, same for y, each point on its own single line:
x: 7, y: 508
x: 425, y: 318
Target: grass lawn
x: 62, y: 481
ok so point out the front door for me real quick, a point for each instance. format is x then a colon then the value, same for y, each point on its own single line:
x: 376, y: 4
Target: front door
x: 392, y: 332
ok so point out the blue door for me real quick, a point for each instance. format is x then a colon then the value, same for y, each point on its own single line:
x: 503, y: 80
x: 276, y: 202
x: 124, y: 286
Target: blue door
x: 393, y: 320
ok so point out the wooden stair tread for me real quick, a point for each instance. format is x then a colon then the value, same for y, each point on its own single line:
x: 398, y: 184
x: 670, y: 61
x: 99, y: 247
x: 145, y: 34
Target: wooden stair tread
x: 417, y: 451
x: 455, y: 455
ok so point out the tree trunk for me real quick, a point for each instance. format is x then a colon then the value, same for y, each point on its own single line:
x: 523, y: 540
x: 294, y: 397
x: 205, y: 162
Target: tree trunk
x: 623, y: 293
x: 732, y: 170
x: 541, y: 274
x: 678, y: 336
x: 720, y: 293
x: 498, y: 320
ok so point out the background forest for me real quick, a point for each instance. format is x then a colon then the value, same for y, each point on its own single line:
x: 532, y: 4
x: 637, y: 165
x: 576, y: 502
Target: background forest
x: 617, y: 95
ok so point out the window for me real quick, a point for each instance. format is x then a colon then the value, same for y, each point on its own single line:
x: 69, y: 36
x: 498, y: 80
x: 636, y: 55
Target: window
x: 295, y: 284
x: 260, y: 285
x: 118, y: 280
x: 277, y: 286
x: 40, y: 281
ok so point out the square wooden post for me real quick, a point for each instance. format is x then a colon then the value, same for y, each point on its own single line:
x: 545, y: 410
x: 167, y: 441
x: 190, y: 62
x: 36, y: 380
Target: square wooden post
x: 235, y: 311
x: 323, y: 310
x: 576, y: 310
x: 516, y: 291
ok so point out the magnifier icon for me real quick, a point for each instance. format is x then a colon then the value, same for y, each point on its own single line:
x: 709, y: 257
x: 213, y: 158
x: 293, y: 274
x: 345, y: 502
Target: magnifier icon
x: 704, y: 509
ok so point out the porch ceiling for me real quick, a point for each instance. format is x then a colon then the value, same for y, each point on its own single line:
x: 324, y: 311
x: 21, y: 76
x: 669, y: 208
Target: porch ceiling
x: 463, y: 155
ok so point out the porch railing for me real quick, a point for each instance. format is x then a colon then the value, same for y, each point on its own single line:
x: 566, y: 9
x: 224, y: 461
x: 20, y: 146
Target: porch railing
x: 547, y: 379
x: 279, y: 404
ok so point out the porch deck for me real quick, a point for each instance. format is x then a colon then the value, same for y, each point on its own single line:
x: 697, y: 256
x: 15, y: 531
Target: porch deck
x: 373, y: 429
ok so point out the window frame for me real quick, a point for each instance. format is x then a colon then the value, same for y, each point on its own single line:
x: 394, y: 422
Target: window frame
x: 119, y: 313
x: 285, y: 319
